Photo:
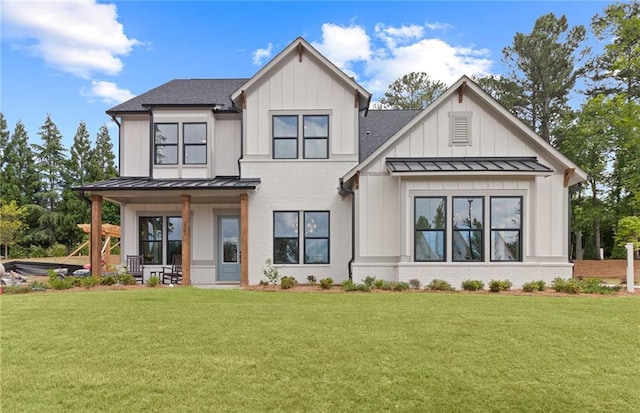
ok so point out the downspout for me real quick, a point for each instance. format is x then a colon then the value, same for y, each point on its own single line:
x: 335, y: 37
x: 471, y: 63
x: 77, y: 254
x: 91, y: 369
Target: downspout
x: 241, y: 143
x: 353, y: 226
x: 570, y: 196
x: 151, y: 146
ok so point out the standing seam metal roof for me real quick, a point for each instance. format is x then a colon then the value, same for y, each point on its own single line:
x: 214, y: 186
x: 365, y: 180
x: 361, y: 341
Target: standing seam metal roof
x: 464, y: 164
x: 232, y: 182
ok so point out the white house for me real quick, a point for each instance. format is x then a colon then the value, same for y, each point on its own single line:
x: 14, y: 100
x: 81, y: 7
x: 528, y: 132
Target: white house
x: 290, y: 165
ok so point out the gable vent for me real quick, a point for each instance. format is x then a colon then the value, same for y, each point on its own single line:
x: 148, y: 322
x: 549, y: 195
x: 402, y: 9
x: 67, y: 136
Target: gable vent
x: 460, y: 128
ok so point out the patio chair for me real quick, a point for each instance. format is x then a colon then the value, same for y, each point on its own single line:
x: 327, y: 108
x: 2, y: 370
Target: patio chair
x: 174, y: 273
x: 135, y: 267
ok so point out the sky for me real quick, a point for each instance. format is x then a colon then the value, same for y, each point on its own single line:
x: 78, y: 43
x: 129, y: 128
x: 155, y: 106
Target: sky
x: 75, y: 59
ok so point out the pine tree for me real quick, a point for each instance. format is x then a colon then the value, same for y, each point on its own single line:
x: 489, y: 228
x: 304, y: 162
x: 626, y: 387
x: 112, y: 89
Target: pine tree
x: 412, y: 91
x: 4, y: 140
x: 102, y: 162
x: 80, y: 157
x: 20, y: 179
x: 51, y: 161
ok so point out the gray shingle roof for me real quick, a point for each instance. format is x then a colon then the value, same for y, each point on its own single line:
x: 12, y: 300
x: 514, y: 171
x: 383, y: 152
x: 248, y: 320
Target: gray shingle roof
x: 169, y: 184
x: 483, y: 164
x: 194, y: 92
x: 380, y: 125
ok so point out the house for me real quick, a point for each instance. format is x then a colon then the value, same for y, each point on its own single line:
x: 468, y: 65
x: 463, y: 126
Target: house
x: 291, y: 165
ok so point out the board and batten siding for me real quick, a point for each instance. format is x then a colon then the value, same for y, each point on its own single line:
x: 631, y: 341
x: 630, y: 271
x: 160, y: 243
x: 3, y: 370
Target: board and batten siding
x: 226, y: 148
x: 295, y: 87
x: 134, y: 146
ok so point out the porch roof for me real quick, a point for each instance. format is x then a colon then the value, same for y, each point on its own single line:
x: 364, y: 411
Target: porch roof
x: 150, y: 184
x: 411, y: 166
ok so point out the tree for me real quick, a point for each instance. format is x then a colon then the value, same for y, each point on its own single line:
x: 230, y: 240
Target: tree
x: 11, y: 223
x: 617, y: 69
x: 51, y: 162
x: 505, y: 91
x: 20, y: 179
x: 542, y: 64
x: 412, y: 91
x: 4, y: 140
x: 628, y: 230
x: 80, y: 157
x: 102, y: 166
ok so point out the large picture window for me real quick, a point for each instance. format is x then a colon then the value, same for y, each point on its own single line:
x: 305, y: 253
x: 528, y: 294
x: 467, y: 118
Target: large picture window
x: 429, y: 223
x: 150, y: 238
x: 194, y: 136
x: 285, y: 137
x: 316, y: 237
x: 468, y: 224
x: 506, y: 228
x: 316, y: 136
x: 285, y: 237
x: 166, y: 143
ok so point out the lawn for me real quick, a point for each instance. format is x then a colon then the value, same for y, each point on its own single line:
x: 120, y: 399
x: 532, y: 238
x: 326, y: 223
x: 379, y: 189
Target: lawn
x: 191, y: 350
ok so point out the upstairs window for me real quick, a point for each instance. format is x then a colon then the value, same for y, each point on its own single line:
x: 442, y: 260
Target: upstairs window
x: 194, y: 136
x: 316, y: 136
x: 285, y: 137
x: 166, y: 143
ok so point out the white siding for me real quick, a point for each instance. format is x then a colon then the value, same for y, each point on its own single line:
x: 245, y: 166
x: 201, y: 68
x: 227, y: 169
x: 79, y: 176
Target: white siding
x: 134, y: 146
x: 226, y: 147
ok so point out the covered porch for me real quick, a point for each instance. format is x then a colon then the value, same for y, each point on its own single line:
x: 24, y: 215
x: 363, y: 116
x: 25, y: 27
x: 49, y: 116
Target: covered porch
x: 204, y: 221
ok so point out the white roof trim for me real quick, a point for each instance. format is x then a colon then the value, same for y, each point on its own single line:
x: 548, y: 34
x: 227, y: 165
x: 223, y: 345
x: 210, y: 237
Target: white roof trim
x: 365, y: 95
x: 578, y: 176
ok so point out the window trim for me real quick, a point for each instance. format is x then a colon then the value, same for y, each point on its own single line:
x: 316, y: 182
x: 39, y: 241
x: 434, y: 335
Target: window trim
x: 328, y: 237
x: 519, y: 229
x: 315, y: 138
x: 443, y: 230
x: 185, y: 144
x: 275, y: 138
x: 481, y: 231
x: 156, y: 145
x: 274, y: 238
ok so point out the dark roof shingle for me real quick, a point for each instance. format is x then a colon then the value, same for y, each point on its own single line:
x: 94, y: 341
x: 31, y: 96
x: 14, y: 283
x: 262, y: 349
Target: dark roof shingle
x: 380, y: 125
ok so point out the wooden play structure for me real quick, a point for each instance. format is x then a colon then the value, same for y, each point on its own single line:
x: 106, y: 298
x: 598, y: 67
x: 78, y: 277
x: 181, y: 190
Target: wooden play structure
x: 109, y: 231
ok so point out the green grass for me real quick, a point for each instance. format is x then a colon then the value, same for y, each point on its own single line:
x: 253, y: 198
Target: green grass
x: 190, y: 350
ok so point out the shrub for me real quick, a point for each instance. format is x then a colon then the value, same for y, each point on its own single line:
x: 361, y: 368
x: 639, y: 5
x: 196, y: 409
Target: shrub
x: 414, y: 283
x: 364, y: 288
x: 326, y: 283
x: 596, y: 286
x: 312, y: 280
x: 56, y: 250
x: 127, y: 279
x: 16, y: 289
x: 558, y: 284
x: 153, y: 281
x: 439, y: 285
x: 566, y: 286
x: 271, y: 272
x: 263, y: 283
x: 541, y: 285
x: 534, y: 286
x: 379, y: 284
x: 369, y: 280
x: 59, y: 283
x: 287, y: 282
x: 400, y: 286
x: 38, y: 286
x: 18, y: 251
x: 89, y: 282
x: 349, y: 286
x: 499, y: 285
x: 108, y: 280
x: 472, y: 285
x: 36, y: 251
x: 75, y: 281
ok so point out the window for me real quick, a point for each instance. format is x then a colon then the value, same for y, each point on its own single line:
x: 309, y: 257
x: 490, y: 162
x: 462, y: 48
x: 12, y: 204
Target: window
x: 151, y: 239
x: 285, y: 137
x: 285, y: 237
x: 468, y: 218
x: 316, y: 238
x: 430, y: 218
x: 506, y: 228
x: 194, y: 136
x: 316, y: 136
x: 459, y: 128
x: 153, y: 242
x: 166, y: 143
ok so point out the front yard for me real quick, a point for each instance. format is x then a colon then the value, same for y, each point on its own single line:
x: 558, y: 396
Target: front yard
x: 186, y: 349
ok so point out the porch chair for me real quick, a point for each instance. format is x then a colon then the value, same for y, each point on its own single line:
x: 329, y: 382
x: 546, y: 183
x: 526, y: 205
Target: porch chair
x: 135, y: 267
x: 173, y: 274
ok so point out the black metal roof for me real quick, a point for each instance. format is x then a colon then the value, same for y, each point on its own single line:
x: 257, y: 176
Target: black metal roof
x: 464, y: 164
x: 184, y: 92
x: 380, y: 125
x: 141, y: 184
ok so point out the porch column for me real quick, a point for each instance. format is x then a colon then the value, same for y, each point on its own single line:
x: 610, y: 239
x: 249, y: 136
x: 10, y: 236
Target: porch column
x: 186, y: 239
x: 96, y: 236
x: 244, y: 240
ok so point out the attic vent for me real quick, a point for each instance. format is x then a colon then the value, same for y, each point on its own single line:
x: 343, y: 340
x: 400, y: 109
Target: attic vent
x: 459, y: 128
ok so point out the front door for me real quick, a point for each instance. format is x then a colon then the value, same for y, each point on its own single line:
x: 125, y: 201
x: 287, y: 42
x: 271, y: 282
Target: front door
x: 229, y: 248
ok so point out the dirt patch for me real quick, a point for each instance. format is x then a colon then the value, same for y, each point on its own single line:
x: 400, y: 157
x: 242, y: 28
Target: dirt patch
x: 609, y: 269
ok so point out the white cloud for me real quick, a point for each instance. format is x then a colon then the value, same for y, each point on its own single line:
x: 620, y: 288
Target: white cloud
x: 438, y: 26
x: 394, y: 35
x: 80, y: 37
x: 108, y: 92
x: 261, y: 54
x: 344, y: 45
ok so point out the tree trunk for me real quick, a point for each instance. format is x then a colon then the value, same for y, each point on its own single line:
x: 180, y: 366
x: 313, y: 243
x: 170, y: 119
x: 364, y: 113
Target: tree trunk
x: 596, y: 235
x: 579, y: 247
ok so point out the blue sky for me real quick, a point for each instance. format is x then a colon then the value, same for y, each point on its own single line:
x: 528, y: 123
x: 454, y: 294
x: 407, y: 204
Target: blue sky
x: 74, y: 59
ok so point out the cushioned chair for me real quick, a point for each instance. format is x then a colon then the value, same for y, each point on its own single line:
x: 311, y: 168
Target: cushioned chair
x: 174, y: 273
x: 135, y: 267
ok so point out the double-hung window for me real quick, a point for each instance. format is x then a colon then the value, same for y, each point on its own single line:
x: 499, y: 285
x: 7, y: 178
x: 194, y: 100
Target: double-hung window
x: 285, y: 137
x: 194, y: 136
x: 314, y: 130
x: 166, y: 143
x: 286, y: 237
x: 430, y: 230
x: 158, y: 234
x: 316, y: 136
x: 506, y: 228
x: 468, y: 222
x: 174, y: 238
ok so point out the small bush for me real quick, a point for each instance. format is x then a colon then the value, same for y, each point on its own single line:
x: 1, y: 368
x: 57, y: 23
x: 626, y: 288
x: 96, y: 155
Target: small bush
x: 126, y: 279
x: 271, y: 272
x: 16, y: 289
x: 472, y: 285
x: 36, y: 251
x: 364, y: 288
x: 38, y: 286
x: 400, y: 286
x: 89, y: 282
x: 326, y: 283
x: 349, y: 286
x: 534, y: 286
x: 496, y: 286
x: 566, y: 286
x: 414, y: 283
x: 56, y: 250
x: 541, y: 285
x: 263, y: 283
x: 18, y: 251
x: 558, y: 284
x: 379, y: 284
x: 287, y: 282
x: 312, y: 280
x: 153, y: 281
x: 596, y: 286
x: 75, y: 281
x: 439, y: 285
x: 108, y: 280
x: 369, y: 280
x: 60, y: 283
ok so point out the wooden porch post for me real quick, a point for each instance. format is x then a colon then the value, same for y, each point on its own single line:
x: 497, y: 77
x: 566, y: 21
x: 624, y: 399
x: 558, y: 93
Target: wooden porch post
x: 244, y: 240
x: 186, y: 240
x: 96, y: 236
